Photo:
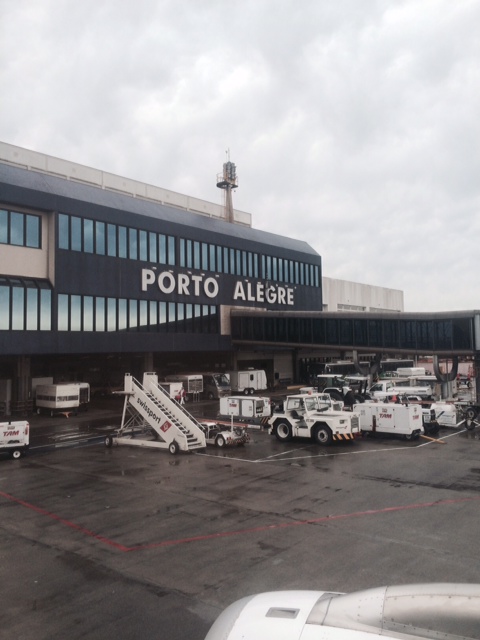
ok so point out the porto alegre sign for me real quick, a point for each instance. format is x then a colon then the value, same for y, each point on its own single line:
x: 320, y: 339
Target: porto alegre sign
x: 197, y: 285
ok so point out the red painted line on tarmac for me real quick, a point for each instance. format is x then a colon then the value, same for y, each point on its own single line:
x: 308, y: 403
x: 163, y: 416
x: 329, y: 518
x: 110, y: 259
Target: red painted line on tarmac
x: 225, y: 534
x: 67, y: 523
x: 285, y: 525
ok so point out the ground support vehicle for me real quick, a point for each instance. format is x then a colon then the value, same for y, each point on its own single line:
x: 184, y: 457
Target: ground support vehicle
x: 349, y: 390
x: 394, y: 419
x: 248, y: 382
x: 468, y: 413
x: 384, y: 389
x: 429, y: 421
x: 174, y: 389
x: 152, y: 419
x: 249, y: 409
x: 65, y: 398
x: 315, y: 416
x: 14, y: 438
x: 216, y: 385
x: 221, y: 435
x: 192, y: 383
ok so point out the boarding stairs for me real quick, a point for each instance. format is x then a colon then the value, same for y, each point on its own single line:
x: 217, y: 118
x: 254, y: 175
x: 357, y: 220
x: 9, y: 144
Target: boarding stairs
x: 151, y: 418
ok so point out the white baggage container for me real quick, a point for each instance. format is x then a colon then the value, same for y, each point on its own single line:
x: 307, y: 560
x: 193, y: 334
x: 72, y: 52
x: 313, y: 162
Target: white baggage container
x: 395, y: 419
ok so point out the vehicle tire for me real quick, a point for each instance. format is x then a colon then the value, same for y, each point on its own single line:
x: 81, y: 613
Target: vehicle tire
x: 283, y: 431
x: 322, y: 434
x: 16, y: 454
x: 409, y: 436
x: 173, y: 448
x: 108, y: 441
x: 470, y: 413
x: 220, y: 442
x: 252, y: 391
x: 38, y: 411
x: 359, y: 399
x: 246, y: 392
x: 210, y: 396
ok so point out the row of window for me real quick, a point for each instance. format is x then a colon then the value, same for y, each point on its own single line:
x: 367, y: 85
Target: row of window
x: 20, y: 229
x: 29, y: 308
x: 96, y: 313
x: 25, y: 305
x: 93, y: 236
x: 377, y: 334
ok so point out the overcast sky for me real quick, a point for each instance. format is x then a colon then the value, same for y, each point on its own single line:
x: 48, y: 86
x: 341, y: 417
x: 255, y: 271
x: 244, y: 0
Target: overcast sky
x: 354, y: 124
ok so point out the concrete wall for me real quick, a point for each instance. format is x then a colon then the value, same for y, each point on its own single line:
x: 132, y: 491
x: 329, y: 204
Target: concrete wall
x: 343, y: 295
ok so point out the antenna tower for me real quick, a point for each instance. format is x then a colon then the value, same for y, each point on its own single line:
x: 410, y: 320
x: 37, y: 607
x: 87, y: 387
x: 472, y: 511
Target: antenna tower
x: 228, y: 181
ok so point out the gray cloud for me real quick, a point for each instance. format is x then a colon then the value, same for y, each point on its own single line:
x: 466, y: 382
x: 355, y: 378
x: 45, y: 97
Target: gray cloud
x: 353, y: 124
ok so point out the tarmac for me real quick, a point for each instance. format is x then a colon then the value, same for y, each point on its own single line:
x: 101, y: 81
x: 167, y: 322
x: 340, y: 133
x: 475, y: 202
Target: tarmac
x: 124, y: 543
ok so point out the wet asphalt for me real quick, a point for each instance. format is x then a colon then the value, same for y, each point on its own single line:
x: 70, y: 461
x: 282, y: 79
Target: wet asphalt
x: 130, y: 543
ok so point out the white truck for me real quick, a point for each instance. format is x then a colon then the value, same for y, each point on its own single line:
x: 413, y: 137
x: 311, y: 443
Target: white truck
x: 14, y: 438
x: 394, y: 419
x: 387, y: 389
x: 66, y: 398
x: 315, y: 416
x: 192, y: 383
x: 250, y: 408
x: 248, y: 382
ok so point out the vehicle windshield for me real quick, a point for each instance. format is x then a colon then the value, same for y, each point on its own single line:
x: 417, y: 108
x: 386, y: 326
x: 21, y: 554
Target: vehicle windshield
x: 316, y: 403
x: 221, y: 380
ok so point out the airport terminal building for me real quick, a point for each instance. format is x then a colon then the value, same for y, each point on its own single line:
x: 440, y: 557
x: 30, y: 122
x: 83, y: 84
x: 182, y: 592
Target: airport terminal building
x: 102, y: 275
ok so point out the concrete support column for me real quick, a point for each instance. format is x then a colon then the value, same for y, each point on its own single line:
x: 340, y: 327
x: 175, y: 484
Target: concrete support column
x: 476, y: 373
x: 21, y: 388
x: 148, y: 362
x: 446, y: 378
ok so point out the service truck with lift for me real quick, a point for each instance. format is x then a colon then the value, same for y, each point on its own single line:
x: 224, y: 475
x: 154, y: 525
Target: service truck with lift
x: 404, y: 420
x: 14, y: 438
x: 151, y: 418
x: 384, y: 389
x: 313, y: 415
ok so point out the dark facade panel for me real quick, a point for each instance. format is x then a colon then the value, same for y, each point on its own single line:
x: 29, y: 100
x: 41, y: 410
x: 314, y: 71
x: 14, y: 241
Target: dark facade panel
x: 431, y: 333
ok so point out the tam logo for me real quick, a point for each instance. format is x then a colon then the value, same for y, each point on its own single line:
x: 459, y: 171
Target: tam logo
x: 11, y: 433
x: 385, y: 415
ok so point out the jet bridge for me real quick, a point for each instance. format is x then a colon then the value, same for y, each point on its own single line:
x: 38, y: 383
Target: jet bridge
x: 152, y: 419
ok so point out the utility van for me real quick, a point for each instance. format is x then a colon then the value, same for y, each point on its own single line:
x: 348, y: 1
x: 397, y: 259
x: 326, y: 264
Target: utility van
x: 249, y: 381
x: 68, y: 397
x: 14, y: 438
x: 395, y: 419
x: 216, y: 385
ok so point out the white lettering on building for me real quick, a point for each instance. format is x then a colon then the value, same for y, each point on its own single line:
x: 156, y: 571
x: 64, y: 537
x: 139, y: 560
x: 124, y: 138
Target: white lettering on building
x: 259, y: 293
x: 196, y: 285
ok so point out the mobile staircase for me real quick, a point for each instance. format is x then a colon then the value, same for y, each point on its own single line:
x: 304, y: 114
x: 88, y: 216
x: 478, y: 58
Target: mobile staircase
x: 152, y: 419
